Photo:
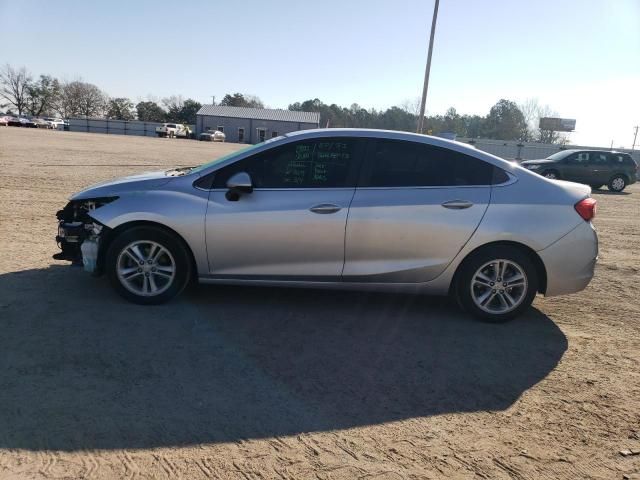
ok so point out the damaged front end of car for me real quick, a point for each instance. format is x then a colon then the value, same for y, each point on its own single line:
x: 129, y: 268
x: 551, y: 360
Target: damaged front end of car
x: 79, y: 235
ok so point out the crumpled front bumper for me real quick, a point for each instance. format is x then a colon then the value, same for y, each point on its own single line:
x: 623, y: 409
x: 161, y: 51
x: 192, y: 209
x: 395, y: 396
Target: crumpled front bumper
x: 570, y: 261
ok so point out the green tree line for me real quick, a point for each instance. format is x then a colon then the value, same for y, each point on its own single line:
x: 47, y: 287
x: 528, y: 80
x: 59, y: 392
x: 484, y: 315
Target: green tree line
x: 46, y: 95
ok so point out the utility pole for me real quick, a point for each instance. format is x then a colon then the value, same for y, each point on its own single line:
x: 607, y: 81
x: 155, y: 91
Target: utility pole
x: 213, y: 99
x: 635, y: 136
x: 428, y: 68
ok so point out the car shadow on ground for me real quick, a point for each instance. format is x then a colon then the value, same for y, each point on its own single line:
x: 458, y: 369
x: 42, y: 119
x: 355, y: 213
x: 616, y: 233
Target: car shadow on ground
x: 609, y: 192
x: 83, y: 369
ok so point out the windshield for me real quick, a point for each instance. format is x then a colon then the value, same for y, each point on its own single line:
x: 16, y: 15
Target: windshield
x: 559, y: 155
x: 248, y: 148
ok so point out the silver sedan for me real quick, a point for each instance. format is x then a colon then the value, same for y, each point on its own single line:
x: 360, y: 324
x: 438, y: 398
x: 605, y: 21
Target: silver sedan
x: 341, y: 208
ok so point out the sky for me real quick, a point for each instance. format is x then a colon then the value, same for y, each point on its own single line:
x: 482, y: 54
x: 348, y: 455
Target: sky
x: 580, y: 57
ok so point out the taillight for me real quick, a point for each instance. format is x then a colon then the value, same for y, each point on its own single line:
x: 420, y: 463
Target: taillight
x: 586, y: 208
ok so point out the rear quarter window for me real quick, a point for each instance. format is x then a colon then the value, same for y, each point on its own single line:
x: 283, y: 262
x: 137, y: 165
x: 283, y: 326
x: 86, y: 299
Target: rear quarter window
x: 622, y: 159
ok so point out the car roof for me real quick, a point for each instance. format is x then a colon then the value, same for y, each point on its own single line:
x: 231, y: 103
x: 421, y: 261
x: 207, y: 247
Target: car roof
x: 397, y: 135
x: 576, y: 150
x: 377, y: 133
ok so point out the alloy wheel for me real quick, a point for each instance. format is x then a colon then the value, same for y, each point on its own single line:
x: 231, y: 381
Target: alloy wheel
x: 618, y: 184
x: 499, y: 286
x: 146, y: 268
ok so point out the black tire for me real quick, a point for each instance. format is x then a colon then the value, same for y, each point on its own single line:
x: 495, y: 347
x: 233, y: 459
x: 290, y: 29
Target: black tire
x: 553, y: 174
x: 178, y: 255
x: 596, y: 187
x: 617, y: 183
x: 478, y: 259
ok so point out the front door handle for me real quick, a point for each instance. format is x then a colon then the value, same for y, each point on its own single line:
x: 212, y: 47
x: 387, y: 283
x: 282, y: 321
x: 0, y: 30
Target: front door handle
x: 325, y: 208
x: 457, y: 204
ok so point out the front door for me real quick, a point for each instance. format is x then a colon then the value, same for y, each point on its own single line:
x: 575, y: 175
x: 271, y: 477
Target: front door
x: 416, y: 207
x: 576, y: 168
x: 292, y: 225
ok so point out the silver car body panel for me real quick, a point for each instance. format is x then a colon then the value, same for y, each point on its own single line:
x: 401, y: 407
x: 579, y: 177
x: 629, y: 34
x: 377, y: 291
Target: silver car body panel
x: 570, y: 261
x: 176, y: 205
x: 380, y: 239
x: 275, y: 232
x: 406, y: 235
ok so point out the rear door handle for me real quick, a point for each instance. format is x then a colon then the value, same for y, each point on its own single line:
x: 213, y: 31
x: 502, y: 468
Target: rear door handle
x: 325, y: 208
x: 457, y: 204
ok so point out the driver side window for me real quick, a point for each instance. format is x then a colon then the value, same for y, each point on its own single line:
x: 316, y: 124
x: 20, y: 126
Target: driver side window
x: 581, y: 158
x: 315, y: 163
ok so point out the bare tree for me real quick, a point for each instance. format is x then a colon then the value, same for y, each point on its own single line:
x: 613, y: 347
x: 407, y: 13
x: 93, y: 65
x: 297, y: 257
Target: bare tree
x: 533, y: 111
x: 411, y: 106
x: 254, y: 101
x: 14, y: 86
x: 79, y: 98
x: 173, y: 102
x: 92, y: 101
x: 67, y: 100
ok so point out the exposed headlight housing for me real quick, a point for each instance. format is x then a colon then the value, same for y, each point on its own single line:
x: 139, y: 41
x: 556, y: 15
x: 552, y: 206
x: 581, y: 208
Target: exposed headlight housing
x: 76, y: 210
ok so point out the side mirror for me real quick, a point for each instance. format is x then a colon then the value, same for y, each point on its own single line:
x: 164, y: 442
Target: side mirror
x: 239, y: 183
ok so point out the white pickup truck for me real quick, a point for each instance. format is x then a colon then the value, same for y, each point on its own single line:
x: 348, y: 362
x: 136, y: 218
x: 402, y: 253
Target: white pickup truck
x: 173, y: 130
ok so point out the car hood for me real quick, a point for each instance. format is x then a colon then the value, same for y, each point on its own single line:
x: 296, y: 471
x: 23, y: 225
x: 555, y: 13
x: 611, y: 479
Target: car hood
x: 142, y: 181
x: 542, y: 161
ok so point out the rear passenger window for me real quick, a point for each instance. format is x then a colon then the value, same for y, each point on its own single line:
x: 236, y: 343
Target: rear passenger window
x: 396, y: 163
x: 499, y: 176
x: 599, y: 158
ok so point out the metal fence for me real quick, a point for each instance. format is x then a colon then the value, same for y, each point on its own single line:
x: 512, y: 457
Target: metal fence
x: 510, y: 150
x: 530, y: 151
x: 116, y: 127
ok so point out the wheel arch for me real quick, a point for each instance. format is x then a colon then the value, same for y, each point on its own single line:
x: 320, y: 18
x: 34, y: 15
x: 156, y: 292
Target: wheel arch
x: 541, y: 270
x: 110, y: 235
x: 552, y: 169
x: 619, y: 174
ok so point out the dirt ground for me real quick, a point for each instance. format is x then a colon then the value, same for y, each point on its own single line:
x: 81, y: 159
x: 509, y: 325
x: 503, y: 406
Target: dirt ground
x: 253, y: 383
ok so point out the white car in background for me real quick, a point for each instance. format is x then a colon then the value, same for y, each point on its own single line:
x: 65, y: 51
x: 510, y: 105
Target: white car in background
x: 54, y: 122
x: 212, y: 136
x: 172, y: 130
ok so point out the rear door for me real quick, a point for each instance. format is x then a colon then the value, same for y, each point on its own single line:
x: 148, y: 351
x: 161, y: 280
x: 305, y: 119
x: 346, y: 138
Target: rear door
x: 600, y: 168
x: 415, y: 207
x: 292, y: 225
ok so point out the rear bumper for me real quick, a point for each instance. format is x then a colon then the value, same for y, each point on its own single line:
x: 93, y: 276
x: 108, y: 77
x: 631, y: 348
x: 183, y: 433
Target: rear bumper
x: 570, y: 262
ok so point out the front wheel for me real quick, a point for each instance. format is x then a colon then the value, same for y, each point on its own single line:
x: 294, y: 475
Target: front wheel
x: 617, y: 183
x: 497, y: 283
x: 148, y: 265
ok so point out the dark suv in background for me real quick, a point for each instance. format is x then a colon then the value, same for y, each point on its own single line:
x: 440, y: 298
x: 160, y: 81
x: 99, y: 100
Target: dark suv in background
x: 593, y: 167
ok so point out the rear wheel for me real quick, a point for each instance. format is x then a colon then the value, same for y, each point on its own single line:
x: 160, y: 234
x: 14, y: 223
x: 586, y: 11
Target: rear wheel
x: 148, y: 265
x: 497, y: 283
x: 552, y: 174
x: 617, y: 183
